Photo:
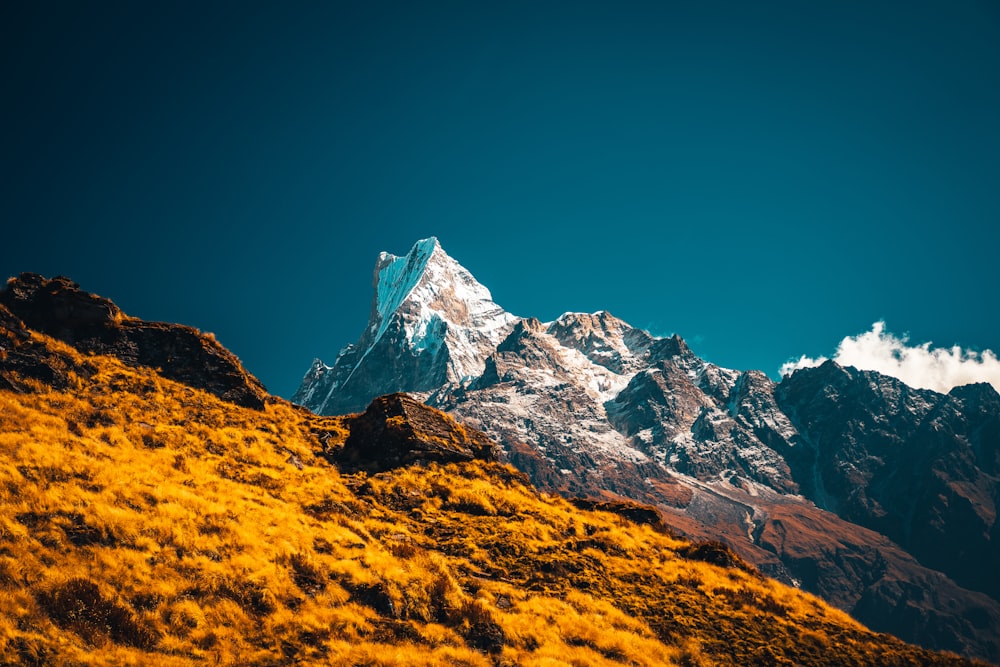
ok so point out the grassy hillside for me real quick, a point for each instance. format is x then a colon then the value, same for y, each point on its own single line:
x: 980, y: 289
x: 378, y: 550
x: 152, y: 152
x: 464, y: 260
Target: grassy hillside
x: 143, y: 521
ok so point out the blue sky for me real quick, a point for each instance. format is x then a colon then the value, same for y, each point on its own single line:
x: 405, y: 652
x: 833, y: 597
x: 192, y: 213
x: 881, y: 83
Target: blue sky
x: 761, y: 178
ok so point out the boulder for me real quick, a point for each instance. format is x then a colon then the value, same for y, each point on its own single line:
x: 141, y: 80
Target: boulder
x: 397, y: 431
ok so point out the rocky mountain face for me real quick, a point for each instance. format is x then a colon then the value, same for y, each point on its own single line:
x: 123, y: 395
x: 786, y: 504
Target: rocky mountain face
x: 878, y: 497
x: 918, y: 466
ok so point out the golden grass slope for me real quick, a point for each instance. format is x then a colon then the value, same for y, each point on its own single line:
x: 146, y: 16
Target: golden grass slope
x: 145, y: 522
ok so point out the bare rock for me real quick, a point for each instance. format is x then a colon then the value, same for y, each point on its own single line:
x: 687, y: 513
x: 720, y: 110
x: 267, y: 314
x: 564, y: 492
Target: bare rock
x: 397, y: 431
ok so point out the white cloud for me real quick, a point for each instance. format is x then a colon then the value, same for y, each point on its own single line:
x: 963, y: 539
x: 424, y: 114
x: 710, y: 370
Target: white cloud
x: 920, y: 366
x: 790, y: 367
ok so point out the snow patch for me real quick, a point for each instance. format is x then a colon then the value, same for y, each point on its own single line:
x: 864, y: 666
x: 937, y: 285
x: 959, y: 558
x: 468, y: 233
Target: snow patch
x: 396, y: 277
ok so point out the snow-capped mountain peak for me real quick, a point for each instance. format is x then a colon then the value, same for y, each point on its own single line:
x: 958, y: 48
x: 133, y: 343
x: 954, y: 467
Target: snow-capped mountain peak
x: 426, y: 286
x: 431, y: 323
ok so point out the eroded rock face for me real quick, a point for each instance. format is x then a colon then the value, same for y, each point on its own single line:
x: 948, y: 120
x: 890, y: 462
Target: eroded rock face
x: 397, y: 430
x: 93, y: 324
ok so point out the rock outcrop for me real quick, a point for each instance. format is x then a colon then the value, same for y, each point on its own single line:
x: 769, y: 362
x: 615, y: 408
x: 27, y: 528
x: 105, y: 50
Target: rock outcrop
x: 92, y: 324
x: 397, y: 431
x: 25, y: 361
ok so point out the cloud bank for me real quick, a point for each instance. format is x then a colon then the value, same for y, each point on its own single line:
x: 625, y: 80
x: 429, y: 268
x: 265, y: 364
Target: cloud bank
x: 919, y: 366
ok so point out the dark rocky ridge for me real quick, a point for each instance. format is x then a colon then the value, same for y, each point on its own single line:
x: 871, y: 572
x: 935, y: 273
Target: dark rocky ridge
x: 95, y: 325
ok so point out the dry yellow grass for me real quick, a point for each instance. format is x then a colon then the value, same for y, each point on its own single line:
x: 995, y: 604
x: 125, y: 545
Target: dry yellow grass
x: 146, y: 522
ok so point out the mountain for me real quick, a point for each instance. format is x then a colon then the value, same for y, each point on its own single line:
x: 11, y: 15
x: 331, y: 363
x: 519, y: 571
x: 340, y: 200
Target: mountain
x: 913, y: 464
x: 431, y: 323
x: 878, y: 497
x: 149, y: 515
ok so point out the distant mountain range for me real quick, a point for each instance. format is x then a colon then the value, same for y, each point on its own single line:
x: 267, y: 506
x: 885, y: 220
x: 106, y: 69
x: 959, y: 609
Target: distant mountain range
x: 879, y: 497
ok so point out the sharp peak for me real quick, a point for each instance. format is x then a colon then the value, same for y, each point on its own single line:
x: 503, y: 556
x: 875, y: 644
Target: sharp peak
x: 413, y: 265
x: 430, y: 285
x: 429, y: 242
x: 423, y: 247
x: 396, y: 276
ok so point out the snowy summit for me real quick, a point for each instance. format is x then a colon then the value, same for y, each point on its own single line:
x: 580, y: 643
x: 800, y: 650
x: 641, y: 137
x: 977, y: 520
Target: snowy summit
x: 431, y: 323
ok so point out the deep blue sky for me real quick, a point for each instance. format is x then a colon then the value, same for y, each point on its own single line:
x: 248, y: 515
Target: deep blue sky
x: 762, y: 178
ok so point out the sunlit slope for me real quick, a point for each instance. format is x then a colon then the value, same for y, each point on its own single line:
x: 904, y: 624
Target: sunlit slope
x: 143, y: 521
